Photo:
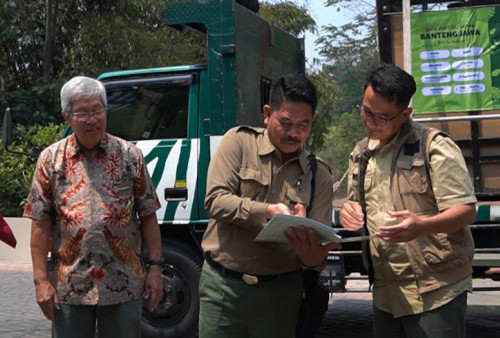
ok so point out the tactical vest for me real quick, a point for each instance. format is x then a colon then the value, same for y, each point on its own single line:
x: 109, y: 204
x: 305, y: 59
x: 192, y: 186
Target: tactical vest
x: 437, y: 259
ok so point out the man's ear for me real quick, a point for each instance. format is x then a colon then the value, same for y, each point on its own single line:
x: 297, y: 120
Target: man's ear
x: 65, y: 116
x: 267, y: 113
x: 406, y: 113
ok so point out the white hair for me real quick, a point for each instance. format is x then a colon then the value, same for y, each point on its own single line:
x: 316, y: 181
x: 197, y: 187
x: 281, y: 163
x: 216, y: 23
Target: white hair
x: 81, y: 86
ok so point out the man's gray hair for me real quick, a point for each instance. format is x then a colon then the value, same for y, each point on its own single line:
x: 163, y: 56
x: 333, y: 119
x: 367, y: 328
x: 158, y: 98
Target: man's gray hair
x: 81, y: 86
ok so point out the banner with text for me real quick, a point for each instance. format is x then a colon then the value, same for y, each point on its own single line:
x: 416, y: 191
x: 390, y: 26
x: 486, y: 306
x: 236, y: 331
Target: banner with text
x: 456, y: 60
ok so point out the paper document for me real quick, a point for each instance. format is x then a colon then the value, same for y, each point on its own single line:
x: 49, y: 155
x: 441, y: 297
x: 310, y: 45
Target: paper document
x: 277, y: 225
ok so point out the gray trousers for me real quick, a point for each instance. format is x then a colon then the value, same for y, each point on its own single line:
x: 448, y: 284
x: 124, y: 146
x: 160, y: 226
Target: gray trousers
x: 79, y: 321
x: 447, y: 321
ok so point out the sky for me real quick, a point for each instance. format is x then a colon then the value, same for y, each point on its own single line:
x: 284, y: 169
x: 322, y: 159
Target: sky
x: 323, y: 16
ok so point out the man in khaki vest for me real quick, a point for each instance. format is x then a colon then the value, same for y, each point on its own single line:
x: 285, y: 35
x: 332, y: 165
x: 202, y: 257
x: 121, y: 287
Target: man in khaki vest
x: 411, y: 186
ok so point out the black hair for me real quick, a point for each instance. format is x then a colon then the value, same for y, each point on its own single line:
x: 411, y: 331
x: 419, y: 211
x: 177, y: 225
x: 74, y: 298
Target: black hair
x: 294, y: 88
x: 393, y: 83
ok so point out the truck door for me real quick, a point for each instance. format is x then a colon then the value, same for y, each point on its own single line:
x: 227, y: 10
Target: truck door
x: 154, y: 112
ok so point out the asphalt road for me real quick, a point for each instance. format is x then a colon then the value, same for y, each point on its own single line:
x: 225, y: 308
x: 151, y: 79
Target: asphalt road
x: 349, y: 313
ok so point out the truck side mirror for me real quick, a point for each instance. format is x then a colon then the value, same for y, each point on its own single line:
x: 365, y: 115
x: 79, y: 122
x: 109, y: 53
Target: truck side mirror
x: 7, y: 128
x: 7, y: 135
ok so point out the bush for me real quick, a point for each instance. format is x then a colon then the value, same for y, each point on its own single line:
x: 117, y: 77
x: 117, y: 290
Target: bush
x: 16, y: 171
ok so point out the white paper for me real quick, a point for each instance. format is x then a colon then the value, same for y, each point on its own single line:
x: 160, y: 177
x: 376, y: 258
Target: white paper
x: 277, y: 225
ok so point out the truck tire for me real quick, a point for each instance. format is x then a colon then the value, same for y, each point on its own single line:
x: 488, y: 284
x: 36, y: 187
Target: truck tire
x: 177, y: 313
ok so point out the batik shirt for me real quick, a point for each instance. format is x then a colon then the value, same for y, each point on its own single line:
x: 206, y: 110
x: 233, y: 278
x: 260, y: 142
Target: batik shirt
x: 95, y: 204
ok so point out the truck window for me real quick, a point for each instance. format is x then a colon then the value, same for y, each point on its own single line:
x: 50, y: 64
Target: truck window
x: 148, y: 112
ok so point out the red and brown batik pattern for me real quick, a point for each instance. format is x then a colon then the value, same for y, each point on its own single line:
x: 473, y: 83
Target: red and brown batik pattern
x: 95, y: 204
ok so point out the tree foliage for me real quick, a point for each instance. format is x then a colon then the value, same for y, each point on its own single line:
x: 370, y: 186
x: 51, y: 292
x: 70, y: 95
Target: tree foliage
x: 16, y: 170
x: 89, y: 37
x: 340, y: 138
x: 293, y: 18
x: 349, y: 53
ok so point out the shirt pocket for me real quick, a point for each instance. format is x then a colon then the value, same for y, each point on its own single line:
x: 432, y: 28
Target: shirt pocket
x: 253, y: 183
x: 124, y: 188
x: 413, y: 176
x: 297, y: 193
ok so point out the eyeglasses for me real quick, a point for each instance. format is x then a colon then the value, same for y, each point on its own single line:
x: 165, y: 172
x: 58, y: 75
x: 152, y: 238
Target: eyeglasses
x: 376, y: 118
x: 288, y: 124
x: 83, y: 116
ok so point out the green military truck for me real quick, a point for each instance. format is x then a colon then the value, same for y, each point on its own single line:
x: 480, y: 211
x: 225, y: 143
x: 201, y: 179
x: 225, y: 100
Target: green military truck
x: 177, y: 116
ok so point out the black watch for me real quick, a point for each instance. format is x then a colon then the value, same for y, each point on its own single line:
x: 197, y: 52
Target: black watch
x: 158, y: 261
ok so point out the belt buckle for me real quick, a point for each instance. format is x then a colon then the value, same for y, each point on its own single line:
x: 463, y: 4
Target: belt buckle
x: 249, y: 279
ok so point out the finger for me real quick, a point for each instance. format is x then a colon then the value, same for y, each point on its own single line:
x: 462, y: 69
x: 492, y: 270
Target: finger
x: 47, y: 310
x: 399, y: 214
x: 283, y: 209
x: 56, y: 301
x: 292, y: 234
x: 386, y: 232
x: 155, y: 299
x: 294, y: 241
x: 333, y: 246
x: 147, y: 294
x: 348, y: 218
x: 310, y: 236
x: 354, y: 208
x: 351, y: 224
x: 289, y: 238
x: 300, y: 210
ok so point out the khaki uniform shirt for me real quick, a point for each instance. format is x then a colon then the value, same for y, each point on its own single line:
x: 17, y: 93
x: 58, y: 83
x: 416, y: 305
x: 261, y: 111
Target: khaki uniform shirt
x: 246, y: 175
x: 395, y: 290
x: 94, y: 204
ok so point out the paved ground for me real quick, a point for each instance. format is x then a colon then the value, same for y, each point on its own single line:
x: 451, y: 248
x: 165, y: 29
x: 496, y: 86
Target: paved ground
x: 19, y: 314
x: 349, y: 314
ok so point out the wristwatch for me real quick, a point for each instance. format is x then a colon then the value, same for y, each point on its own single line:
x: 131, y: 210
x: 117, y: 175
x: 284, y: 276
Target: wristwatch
x: 158, y: 261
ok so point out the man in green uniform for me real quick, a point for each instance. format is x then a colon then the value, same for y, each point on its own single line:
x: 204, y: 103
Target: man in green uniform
x: 250, y: 289
x: 411, y: 186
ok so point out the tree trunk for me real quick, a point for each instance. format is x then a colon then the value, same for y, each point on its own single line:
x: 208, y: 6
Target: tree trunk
x: 50, y: 37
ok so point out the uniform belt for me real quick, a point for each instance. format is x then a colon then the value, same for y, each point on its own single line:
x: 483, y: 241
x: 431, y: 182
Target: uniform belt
x: 248, y: 279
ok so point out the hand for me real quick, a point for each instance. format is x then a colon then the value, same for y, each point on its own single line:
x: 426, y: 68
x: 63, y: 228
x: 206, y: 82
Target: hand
x: 306, y: 246
x: 351, y: 216
x: 154, y: 286
x: 408, y: 229
x: 281, y: 208
x: 46, y: 297
x: 278, y: 208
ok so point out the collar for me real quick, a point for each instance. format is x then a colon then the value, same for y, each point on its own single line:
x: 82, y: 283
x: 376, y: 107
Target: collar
x: 265, y: 147
x: 402, y: 134
x: 73, y: 147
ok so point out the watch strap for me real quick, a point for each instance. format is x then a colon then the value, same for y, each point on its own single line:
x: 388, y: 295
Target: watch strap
x: 158, y: 261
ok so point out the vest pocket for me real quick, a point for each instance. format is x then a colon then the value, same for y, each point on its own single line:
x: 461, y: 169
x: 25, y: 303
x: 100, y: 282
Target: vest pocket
x: 412, y: 176
x: 436, y: 248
